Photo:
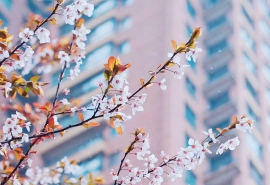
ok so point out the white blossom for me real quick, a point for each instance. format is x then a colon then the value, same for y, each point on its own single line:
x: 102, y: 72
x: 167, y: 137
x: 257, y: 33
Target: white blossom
x: 162, y: 85
x: 193, y: 53
x: 3, y: 53
x: 26, y: 34
x: 43, y: 35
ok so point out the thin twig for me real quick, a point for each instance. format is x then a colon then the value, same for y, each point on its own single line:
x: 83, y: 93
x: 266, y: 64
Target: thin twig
x: 21, y: 44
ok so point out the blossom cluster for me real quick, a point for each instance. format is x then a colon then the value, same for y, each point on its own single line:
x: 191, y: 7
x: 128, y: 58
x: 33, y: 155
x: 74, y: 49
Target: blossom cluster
x: 53, y: 176
x: 13, y: 128
x: 186, y: 159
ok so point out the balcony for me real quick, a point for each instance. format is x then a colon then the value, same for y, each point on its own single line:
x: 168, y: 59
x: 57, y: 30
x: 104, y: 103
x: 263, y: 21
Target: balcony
x: 219, y: 85
x: 215, y: 7
x: 223, y: 175
x: 218, y: 33
x: 221, y: 113
x: 219, y: 59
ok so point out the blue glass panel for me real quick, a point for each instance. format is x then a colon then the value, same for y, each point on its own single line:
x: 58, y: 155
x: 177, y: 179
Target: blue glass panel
x: 114, y: 158
x: 124, y: 47
x: 87, y: 85
x: 73, y: 145
x: 218, y: 73
x: 249, y: 64
x: 192, y: 63
x: 7, y: 3
x: 97, y: 56
x: 4, y: 20
x: 254, y: 146
x: 216, y: 23
x: 102, y: 31
x: 249, y: 19
x: 35, y: 9
x: 188, y: 30
x: 255, y: 174
x: 186, y: 139
x: 104, y: 7
x: 190, y: 9
x: 251, y: 90
x: 217, y: 47
x: 190, y: 87
x: 220, y: 161
x: 190, y: 178
x: 223, y: 124
x: 47, y: 2
x: 65, y: 29
x: 190, y: 116
x: 254, y: 117
x: 93, y: 165
x: 219, y: 100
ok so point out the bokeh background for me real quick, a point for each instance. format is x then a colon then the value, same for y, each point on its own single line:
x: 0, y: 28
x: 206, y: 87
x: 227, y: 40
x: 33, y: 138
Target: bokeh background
x: 231, y: 77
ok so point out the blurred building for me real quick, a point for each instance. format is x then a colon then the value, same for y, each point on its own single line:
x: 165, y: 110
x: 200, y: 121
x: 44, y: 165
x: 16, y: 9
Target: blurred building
x: 231, y: 77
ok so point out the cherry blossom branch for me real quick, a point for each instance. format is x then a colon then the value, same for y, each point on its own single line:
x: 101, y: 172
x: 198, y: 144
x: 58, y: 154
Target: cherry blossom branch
x: 94, y: 115
x: 81, y: 123
x: 61, y: 77
x: 123, y: 159
x: 38, y: 26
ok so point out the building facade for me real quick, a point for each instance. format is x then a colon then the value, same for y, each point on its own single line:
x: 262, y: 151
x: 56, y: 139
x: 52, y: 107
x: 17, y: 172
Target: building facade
x: 230, y: 77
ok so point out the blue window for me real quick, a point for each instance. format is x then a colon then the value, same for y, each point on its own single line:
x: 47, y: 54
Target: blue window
x: 93, y: 165
x: 128, y: 2
x: 266, y: 71
x: 186, y: 139
x: 104, y: 7
x: 249, y: 19
x: 264, y: 27
x: 222, y: 124
x: 46, y: 2
x: 190, y: 178
x: 219, y: 161
x: 254, y: 146
x: 87, y: 85
x: 124, y: 47
x: 190, y: 87
x: 65, y: 29
x: 4, y: 20
x: 103, y: 30
x: 114, y: 158
x: 7, y: 3
x: 190, y: 9
x: 192, y: 63
x: 218, y: 73
x: 249, y: 64
x: 125, y: 23
x: 73, y: 145
x: 190, y: 116
x: 253, y: 116
x: 55, y: 77
x: 219, y: 100
x: 217, y: 47
x: 251, y: 89
x: 35, y: 9
x: 98, y: 56
x: 216, y: 23
x: 188, y: 30
x: 249, y: 41
x: 211, y: 3
x: 266, y: 49
x: 255, y: 174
